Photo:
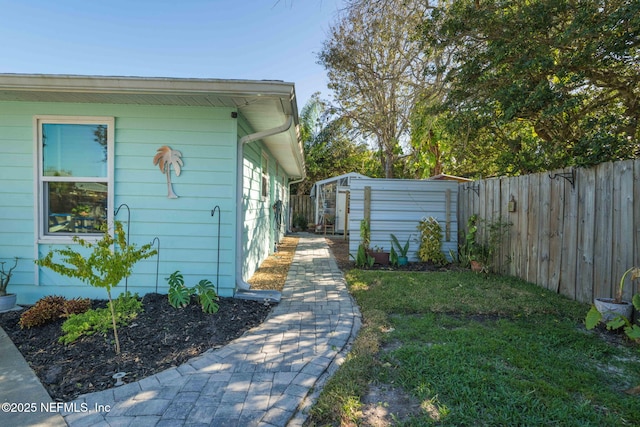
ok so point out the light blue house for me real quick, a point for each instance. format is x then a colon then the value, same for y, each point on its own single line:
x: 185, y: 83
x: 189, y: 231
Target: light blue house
x: 78, y: 152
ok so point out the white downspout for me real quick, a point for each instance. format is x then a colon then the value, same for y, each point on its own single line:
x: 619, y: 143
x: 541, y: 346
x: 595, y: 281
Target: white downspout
x: 240, y: 282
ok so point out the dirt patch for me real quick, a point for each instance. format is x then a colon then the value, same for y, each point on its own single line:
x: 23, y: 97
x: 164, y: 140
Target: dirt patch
x: 384, y: 405
x: 340, y: 250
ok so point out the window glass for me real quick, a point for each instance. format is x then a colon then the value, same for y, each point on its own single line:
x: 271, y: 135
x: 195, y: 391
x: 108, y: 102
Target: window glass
x: 76, y: 207
x: 74, y: 176
x: 74, y: 150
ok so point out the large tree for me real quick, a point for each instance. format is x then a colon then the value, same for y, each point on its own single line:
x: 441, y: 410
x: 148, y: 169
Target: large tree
x: 377, y: 70
x: 540, y: 84
x: 328, y: 145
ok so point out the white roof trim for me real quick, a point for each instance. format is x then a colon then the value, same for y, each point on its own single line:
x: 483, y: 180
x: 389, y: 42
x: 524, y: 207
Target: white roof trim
x: 264, y: 103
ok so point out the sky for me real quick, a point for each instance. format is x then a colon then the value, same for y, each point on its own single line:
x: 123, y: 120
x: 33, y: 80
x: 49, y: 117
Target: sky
x: 219, y: 39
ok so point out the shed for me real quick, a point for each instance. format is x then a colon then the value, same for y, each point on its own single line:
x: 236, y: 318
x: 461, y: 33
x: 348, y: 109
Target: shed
x: 331, y: 199
x: 397, y: 206
x: 69, y: 143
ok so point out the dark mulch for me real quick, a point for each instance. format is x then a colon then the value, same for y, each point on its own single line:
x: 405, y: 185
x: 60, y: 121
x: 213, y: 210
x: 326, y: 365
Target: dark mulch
x: 159, y: 338
x: 340, y: 250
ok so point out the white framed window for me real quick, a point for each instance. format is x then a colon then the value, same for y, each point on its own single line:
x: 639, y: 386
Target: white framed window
x: 265, y: 177
x: 74, y: 177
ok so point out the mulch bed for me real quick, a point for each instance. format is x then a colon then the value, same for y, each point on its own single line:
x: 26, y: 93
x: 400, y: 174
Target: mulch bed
x: 340, y: 250
x: 159, y: 338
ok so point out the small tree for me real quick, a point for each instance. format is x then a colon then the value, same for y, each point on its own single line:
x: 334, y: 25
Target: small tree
x: 110, y: 261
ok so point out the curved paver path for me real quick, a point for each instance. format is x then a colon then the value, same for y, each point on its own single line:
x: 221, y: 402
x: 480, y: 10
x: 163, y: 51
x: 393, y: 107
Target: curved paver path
x: 263, y: 378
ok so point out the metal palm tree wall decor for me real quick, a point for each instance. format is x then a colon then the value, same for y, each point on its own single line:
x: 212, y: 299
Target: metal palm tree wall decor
x: 165, y: 158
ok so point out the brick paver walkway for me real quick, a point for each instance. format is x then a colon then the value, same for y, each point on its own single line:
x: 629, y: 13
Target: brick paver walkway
x: 268, y: 377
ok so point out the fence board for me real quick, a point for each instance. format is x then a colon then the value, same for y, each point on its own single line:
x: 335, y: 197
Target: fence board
x: 533, y: 254
x: 635, y: 230
x: 567, y: 280
x: 622, y: 220
x: 544, y: 223
x: 586, y: 230
x: 505, y: 249
x: 604, y: 229
x: 303, y: 205
x: 524, y: 229
x: 515, y: 231
x: 555, y: 206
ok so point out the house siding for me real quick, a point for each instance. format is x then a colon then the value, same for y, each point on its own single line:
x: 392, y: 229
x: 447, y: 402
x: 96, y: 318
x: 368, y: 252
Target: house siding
x: 188, y: 234
x: 397, y: 206
x: 260, y: 235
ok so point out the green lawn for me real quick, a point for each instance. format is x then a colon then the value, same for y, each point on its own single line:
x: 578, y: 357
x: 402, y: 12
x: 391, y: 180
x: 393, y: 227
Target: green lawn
x: 481, y: 350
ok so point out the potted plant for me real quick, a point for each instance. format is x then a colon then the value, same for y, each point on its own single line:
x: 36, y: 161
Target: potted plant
x: 379, y: 255
x: 400, y: 256
x: 7, y: 301
x: 615, y: 312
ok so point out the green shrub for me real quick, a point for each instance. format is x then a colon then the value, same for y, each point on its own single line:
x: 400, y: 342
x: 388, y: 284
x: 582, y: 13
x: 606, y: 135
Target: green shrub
x: 111, y: 260
x: 180, y: 295
x: 431, y: 242
x: 299, y: 221
x: 126, y: 307
x: 52, y: 308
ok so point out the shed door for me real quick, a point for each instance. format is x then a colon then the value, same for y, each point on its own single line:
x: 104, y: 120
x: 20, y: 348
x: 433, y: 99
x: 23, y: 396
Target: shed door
x: 341, y: 209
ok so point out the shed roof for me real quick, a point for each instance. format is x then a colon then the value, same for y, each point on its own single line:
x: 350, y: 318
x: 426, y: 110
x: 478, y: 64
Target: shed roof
x: 265, y: 104
x: 349, y: 175
x: 445, y: 177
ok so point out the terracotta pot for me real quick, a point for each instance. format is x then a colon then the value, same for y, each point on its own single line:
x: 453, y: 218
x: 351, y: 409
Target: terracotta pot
x: 476, y: 266
x: 611, y: 310
x: 381, y: 258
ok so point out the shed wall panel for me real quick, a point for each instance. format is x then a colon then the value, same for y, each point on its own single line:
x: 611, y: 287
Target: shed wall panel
x: 397, y: 206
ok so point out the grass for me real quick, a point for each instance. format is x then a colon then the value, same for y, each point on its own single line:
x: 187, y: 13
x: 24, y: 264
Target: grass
x: 480, y: 350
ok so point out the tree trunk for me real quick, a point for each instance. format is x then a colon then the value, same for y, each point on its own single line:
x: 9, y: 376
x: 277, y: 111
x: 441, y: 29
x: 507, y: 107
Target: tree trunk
x: 113, y: 321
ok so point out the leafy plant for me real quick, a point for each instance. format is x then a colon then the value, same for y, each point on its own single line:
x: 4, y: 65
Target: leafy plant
x: 482, y: 249
x: 5, y: 276
x: 630, y: 329
x: 52, y: 308
x: 180, y: 295
x: 635, y: 274
x: 111, y: 260
x: 431, y: 242
x: 468, y: 251
x: 207, y: 296
x: 403, y: 250
x: 299, y: 221
x: 398, y: 251
x: 365, y: 234
x: 126, y: 307
x: 363, y: 259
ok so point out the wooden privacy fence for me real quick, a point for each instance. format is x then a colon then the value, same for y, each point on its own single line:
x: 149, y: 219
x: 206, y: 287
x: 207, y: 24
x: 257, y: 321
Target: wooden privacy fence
x: 303, y: 205
x: 574, y: 231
